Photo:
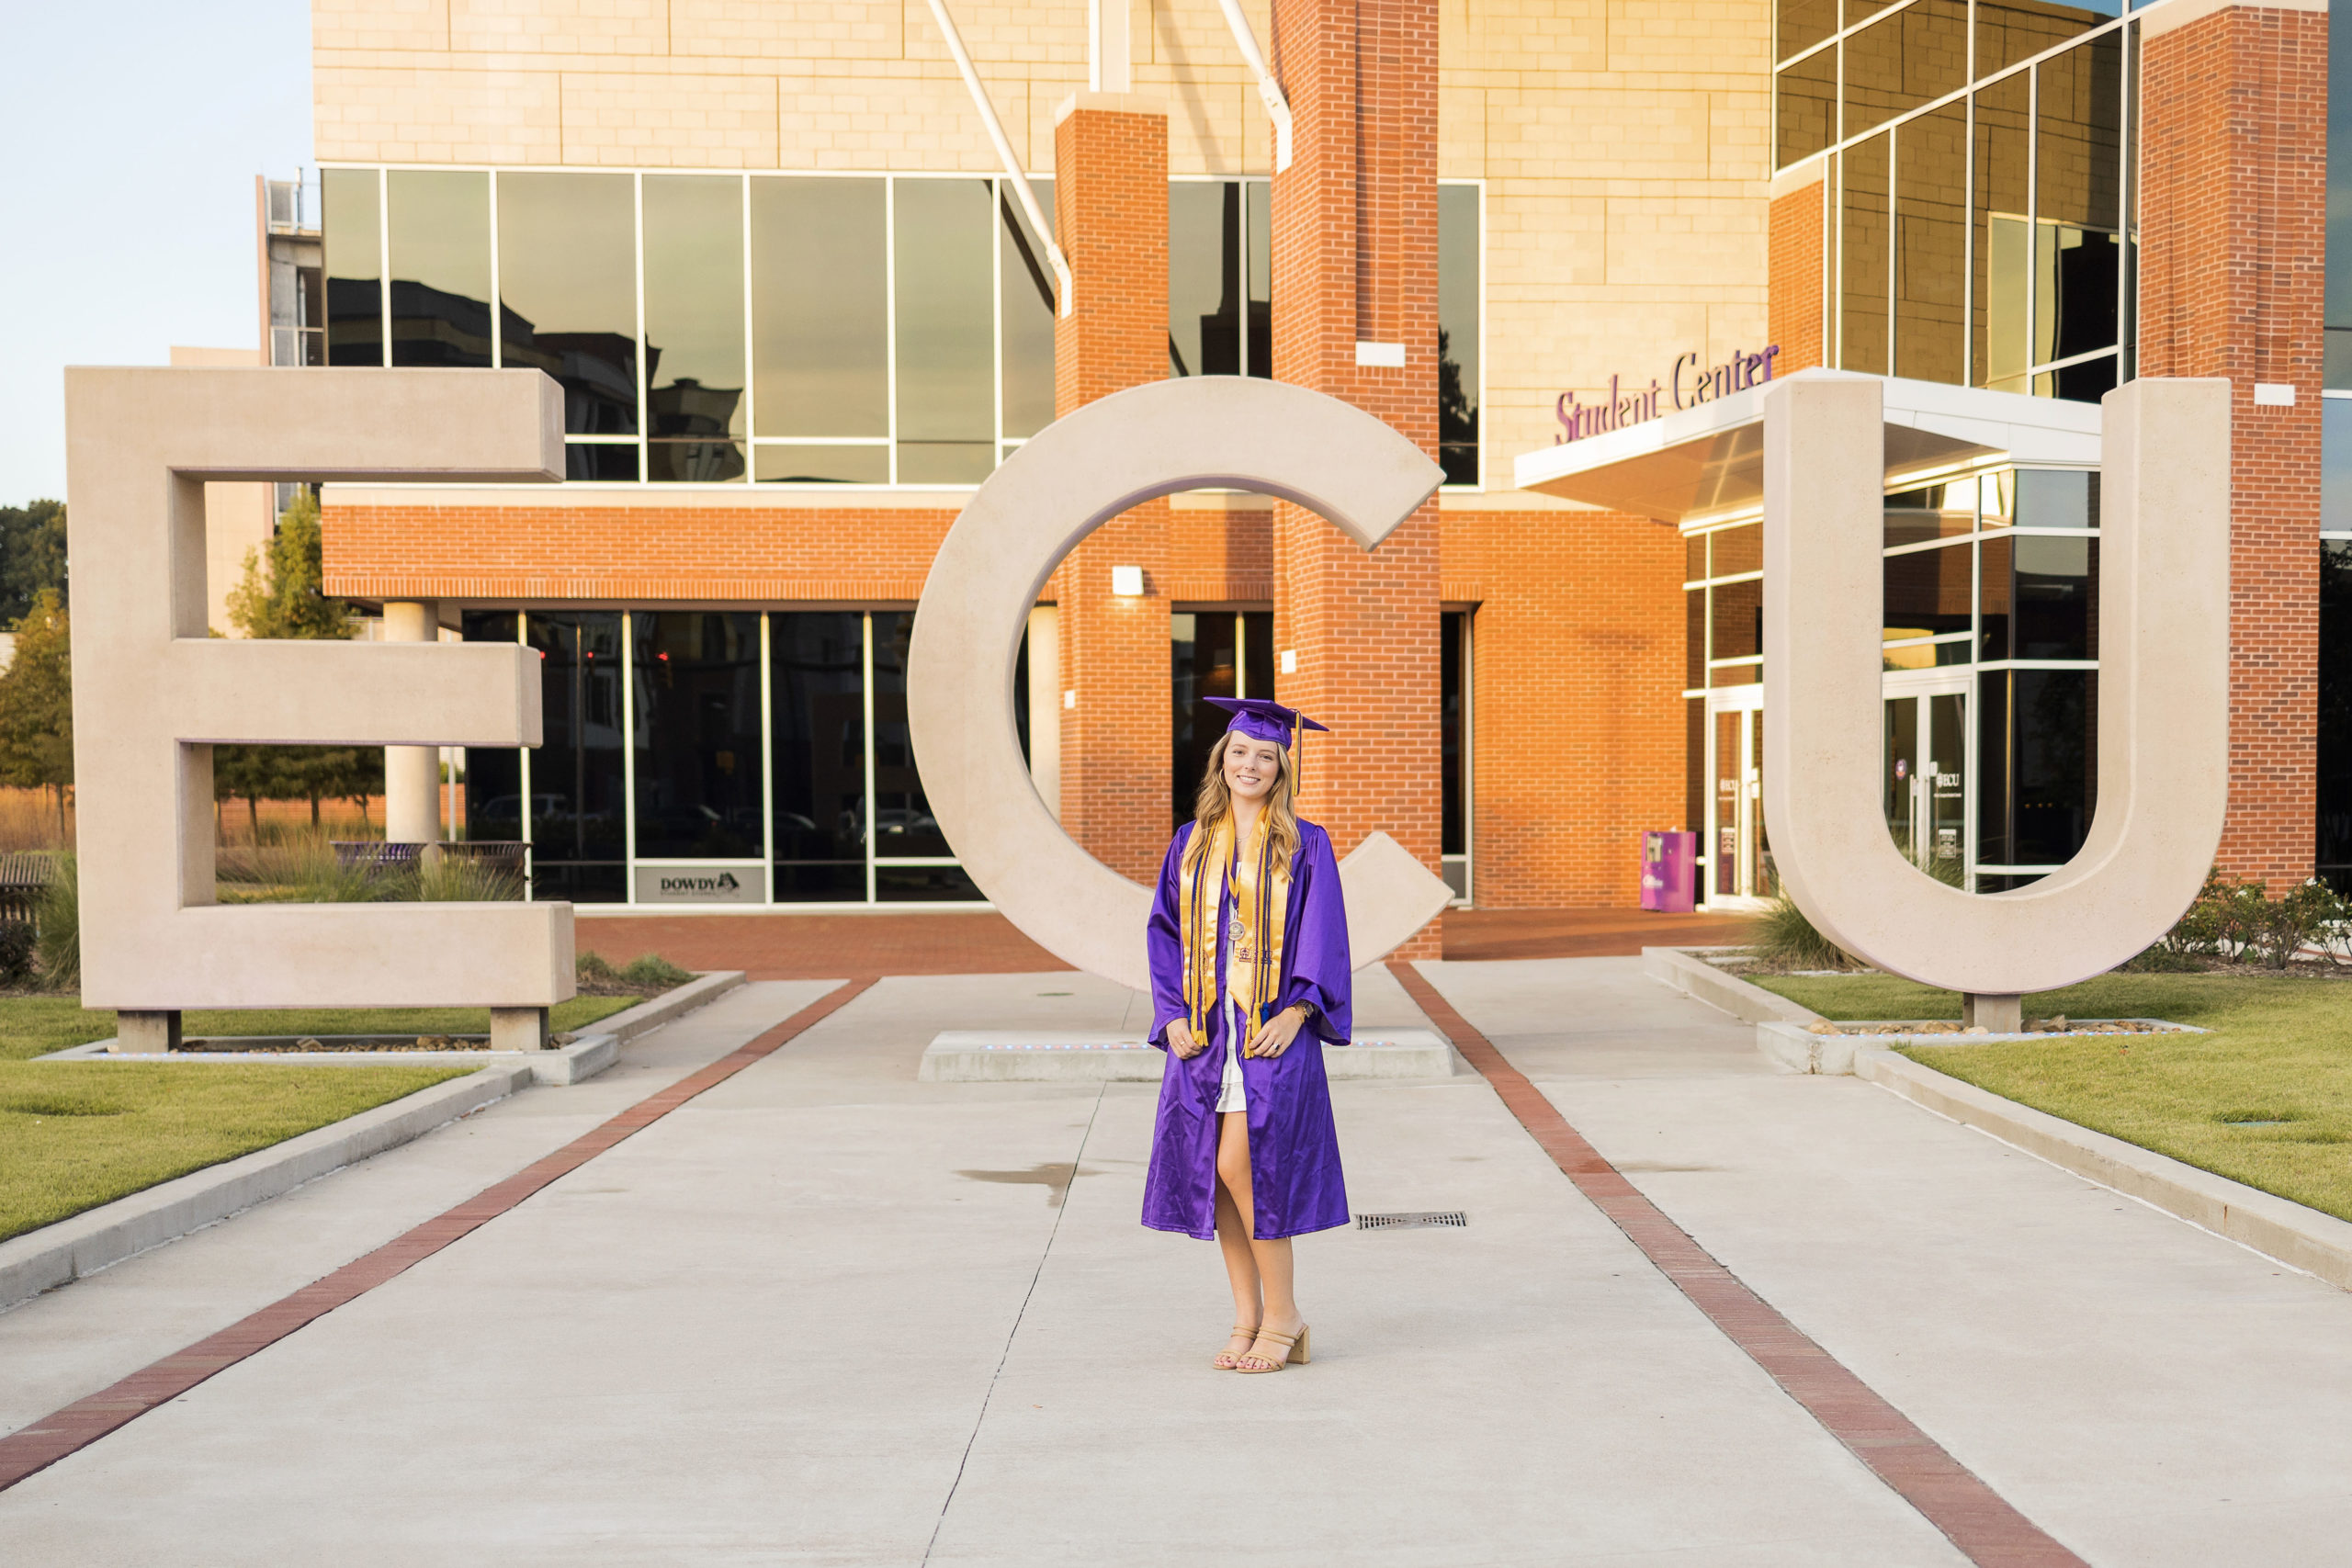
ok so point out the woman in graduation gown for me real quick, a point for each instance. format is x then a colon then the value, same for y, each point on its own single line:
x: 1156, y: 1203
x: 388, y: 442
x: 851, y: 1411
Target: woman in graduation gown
x: 1250, y: 977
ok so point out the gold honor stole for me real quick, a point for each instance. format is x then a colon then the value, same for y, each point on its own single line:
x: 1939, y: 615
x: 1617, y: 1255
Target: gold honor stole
x: 1260, y: 894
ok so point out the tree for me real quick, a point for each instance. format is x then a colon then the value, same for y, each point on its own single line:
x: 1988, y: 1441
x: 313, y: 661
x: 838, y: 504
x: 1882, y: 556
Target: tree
x: 37, y: 703
x: 279, y: 596
x: 32, y: 556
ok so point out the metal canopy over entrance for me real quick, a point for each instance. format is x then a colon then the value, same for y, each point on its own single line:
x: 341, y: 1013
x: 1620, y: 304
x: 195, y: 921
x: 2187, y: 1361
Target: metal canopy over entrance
x: 1708, y: 461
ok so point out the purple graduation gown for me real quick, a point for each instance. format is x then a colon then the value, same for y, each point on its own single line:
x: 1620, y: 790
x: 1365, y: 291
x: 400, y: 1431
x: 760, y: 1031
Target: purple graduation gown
x: 1293, y: 1147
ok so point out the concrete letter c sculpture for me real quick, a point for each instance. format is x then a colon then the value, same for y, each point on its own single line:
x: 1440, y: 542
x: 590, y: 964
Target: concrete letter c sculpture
x: 2164, y: 700
x: 1079, y: 473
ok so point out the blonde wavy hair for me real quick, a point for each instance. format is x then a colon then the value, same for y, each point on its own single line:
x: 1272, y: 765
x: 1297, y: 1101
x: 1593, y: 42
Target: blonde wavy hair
x: 1214, y: 801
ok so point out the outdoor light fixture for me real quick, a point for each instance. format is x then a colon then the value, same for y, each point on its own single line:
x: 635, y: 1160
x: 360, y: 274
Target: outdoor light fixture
x: 1127, y: 581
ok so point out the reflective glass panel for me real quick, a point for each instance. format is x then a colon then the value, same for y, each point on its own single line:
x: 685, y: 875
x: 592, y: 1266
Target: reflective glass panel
x: 2054, y: 498
x: 602, y: 460
x: 2335, y: 465
x: 1900, y: 61
x: 696, y: 681
x: 1205, y: 659
x: 2338, y: 372
x: 2011, y: 31
x: 566, y: 288
x: 1694, y: 639
x: 1454, y: 788
x: 1736, y: 551
x: 1739, y: 618
x: 1204, y: 278
x: 1928, y: 592
x: 2055, y: 597
x: 1801, y: 24
x: 493, y: 773
x: 1805, y: 106
x: 943, y: 236
x: 823, y: 465
x: 1993, y: 594
x: 2037, y: 765
x: 1025, y: 299
x: 821, y: 358
x: 902, y: 820
x: 2078, y: 179
x: 816, y: 663
x: 578, y: 850
x: 1935, y: 512
x: 1459, y: 331
x: 1931, y: 245
x: 1863, y: 256
x: 2334, y: 847
x: 352, y: 226
x: 440, y: 264
x: 2000, y: 333
x: 1257, y: 198
x: 694, y: 326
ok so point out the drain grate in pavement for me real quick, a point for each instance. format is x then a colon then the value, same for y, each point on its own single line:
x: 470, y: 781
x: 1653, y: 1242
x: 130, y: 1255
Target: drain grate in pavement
x: 1454, y: 1217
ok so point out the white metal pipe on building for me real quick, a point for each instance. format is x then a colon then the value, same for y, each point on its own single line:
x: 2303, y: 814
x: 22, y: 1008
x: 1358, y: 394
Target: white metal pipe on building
x: 1270, y: 92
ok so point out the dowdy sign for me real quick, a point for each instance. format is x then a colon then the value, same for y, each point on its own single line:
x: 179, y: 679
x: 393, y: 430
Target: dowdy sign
x: 1688, y: 385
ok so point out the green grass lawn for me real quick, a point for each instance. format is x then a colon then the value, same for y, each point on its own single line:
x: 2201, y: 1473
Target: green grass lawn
x: 2281, y: 1053
x: 73, y: 1135
x: 34, y: 1026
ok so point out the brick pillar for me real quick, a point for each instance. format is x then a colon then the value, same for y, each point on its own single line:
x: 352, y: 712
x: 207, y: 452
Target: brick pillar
x: 1797, y: 229
x: 2232, y: 207
x: 1355, y: 262
x: 1110, y: 216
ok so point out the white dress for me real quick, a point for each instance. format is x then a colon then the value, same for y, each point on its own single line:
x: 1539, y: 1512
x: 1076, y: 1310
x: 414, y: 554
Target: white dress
x: 1231, y: 1095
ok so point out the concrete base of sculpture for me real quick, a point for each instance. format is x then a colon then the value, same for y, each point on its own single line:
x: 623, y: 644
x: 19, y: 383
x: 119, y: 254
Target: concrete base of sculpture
x: 557, y: 1065
x: 518, y: 1029
x: 146, y: 1033
x: 1995, y: 1014
x: 990, y: 1055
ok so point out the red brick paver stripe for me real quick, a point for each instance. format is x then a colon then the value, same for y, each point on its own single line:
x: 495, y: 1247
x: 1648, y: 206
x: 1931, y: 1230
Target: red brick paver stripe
x: 84, y: 1421
x: 1978, y: 1520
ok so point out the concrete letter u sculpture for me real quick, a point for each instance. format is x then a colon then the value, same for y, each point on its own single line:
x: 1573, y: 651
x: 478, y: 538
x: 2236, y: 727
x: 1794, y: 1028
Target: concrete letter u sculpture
x: 2164, y: 710
x: 1081, y: 471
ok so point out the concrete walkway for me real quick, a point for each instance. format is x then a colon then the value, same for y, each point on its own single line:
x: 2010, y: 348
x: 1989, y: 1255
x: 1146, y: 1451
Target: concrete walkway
x: 824, y: 1314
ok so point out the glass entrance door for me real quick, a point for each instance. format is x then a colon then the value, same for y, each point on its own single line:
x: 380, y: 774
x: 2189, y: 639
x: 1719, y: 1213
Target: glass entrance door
x: 1738, y: 863
x: 1925, y: 775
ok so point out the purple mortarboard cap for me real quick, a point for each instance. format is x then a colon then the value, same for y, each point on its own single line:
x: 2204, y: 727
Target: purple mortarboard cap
x: 1263, y: 720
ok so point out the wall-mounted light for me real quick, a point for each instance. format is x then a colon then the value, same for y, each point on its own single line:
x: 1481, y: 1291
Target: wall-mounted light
x: 1127, y: 581
x: 1289, y: 661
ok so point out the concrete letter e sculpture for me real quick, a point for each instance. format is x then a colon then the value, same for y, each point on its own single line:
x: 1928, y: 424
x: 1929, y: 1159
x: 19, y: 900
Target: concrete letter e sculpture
x: 152, y: 693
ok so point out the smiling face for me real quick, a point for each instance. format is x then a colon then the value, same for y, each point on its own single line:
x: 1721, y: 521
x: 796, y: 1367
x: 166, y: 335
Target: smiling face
x: 1250, y: 766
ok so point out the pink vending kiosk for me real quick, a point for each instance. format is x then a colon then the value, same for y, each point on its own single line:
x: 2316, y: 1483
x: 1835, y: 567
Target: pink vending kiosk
x: 1670, y: 872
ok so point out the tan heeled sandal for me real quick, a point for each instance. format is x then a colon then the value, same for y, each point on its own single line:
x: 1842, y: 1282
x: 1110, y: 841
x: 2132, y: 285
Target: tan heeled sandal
x: 1295, y: 1349
x: 1227, y: 1360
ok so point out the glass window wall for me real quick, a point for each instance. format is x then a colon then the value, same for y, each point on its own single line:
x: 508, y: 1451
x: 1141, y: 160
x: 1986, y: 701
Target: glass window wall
x: 2036, y: 147
x: 567, y: 294
x: 1990, y: 587
x: 697, y: 757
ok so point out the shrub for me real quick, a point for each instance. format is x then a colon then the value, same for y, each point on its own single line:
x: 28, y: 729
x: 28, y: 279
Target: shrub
x: 654, y: 970
x: 1786, y: 939
x: 58, y: 950
x: 2240, y: 921
x: 595, y: 966
x: 459, y: 879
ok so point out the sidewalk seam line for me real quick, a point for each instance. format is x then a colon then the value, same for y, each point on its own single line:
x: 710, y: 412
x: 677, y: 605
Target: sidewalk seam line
x: 48, y: 1439
x: 1986, y: 1527
x: 1053, y: 1234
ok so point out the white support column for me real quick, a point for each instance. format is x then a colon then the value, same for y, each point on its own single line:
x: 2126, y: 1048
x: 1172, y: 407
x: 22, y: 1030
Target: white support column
x: 412, y: 773
x: 1110, y: 57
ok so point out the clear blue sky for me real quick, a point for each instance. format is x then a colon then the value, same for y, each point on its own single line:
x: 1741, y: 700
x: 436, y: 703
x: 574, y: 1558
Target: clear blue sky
x: 134, y: 131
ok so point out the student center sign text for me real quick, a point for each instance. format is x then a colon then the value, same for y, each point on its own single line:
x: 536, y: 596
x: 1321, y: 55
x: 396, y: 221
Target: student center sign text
x: 1688, y: 384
